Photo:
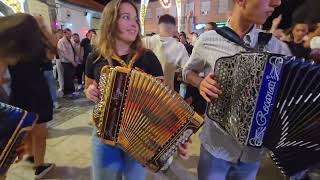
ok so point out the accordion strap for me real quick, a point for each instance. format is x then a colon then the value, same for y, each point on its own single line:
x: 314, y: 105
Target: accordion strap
x: 229, y: 34
x: 134, y: 58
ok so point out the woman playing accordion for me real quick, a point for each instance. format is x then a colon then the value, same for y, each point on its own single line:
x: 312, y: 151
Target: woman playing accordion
x: 128, y: 97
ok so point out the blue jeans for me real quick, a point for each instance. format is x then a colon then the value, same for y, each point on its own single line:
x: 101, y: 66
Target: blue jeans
x: 212, y: 168
x: 52, y: 84
x: 112, y: 163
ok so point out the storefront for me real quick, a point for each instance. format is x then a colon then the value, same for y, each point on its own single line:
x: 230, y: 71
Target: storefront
x: 8, y: 7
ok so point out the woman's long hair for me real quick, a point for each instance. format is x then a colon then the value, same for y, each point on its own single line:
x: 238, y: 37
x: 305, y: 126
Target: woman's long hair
x: 21, y: 37
x: 107, y: 34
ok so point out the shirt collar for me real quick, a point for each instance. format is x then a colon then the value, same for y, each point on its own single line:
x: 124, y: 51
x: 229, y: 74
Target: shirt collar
x: 251, y: 37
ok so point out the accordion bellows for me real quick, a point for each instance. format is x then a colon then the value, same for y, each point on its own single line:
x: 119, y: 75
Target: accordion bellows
x: 14, y: 124
x: 142, y: 116
x: 272, y: 101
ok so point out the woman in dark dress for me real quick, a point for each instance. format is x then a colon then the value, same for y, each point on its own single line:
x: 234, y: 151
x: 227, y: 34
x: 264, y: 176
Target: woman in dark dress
x: 21, y: 41
x: 30, y: 91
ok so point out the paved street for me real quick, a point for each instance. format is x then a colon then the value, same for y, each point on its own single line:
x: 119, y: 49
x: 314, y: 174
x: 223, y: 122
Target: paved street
x: 69, y: 142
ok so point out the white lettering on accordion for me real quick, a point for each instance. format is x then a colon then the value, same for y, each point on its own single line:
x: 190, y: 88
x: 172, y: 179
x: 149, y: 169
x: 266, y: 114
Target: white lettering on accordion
x: 261, y: 118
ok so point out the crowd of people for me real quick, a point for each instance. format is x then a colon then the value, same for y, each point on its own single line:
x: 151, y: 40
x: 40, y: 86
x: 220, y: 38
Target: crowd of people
x: 65, y: 67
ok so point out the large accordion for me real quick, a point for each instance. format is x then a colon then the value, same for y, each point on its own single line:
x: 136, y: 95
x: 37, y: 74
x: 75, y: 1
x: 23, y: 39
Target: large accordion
x: 14, y: 125
x: 272, y: 101
x: 142, y: 116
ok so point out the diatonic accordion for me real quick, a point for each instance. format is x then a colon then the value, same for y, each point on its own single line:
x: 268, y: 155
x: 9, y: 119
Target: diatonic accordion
x: 142, y: 116
x: 14, y: 125
x: 272, y: 101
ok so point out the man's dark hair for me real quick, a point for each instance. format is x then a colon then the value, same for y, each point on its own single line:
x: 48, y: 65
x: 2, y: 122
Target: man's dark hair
x: 213, y: 24
x: 66, y: 30
x: 75, y: 34
x: 59, y: 31
x: 91, y: 31
x: 167, y: 19
x: 183, y: 34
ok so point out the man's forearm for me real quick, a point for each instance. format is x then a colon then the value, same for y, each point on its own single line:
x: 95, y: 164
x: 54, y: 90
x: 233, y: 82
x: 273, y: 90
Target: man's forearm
x: 194, y: 79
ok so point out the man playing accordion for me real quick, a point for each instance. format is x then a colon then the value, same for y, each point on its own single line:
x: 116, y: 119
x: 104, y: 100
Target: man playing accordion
x: 221, y: 157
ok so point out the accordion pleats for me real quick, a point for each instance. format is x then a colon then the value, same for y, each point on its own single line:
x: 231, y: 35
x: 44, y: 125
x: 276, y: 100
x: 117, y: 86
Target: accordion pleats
x: 142, y: 116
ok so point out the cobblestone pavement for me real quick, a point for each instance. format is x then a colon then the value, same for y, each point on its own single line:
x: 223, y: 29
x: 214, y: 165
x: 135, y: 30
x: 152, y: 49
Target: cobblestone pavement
x: 69, y: 146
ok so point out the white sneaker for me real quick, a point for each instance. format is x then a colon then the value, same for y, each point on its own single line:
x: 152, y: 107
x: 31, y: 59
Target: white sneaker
x: 56, y: 105
x: 60, y: 93
x: 43, y: 170
x: 80, y: 87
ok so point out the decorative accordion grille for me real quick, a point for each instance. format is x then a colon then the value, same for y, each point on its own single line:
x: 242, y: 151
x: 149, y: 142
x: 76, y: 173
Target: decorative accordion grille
x: 240, y: 78
x: 272, y: 101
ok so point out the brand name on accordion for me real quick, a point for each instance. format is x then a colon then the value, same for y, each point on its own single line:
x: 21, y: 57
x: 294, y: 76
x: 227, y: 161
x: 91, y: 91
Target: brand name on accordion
x: 262, y: 115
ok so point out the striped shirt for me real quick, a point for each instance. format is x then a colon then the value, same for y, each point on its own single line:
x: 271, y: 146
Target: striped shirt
x: 210, y: 47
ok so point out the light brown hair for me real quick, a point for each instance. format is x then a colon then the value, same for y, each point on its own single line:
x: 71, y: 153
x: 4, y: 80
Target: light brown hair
x: 108, y: 29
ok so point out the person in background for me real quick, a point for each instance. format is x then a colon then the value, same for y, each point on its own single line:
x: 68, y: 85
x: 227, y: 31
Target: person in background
x: 14, y: 29
x: 67, y: 56
x: 58, y: 67
x: 30, y: 90
x: 276, y: 32
x: 171, y: 54
x: 210, y: 26
x: 191, y: 36
x: 47, y: 66
x: 86, y: 45
x: 79, y: 51
x: 296, y: 46
x: 184, y: 41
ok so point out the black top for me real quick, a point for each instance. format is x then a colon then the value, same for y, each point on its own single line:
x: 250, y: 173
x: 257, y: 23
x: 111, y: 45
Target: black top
x: 148, y: 62
x: 87, y: 48
x: 47, y: 66
x: 189, y: 48
x: 299, y: 50
x: 29, y: 88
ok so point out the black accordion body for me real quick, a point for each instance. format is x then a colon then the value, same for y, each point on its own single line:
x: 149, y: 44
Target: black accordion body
x: 14, y: 124
x: 142, y: 116
x: 272, y: 101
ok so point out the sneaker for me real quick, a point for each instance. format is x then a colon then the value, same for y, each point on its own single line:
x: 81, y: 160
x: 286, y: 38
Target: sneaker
x: 80, y: 87
x: 60, y: 93
x: 30, y: 159
x: 43, y: 170
x: 72, y: 96
x: 56, y: 105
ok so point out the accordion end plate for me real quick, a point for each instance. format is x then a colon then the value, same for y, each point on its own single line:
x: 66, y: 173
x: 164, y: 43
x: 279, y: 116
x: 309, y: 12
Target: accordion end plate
x: 111, y: 143
x: 153, y: 167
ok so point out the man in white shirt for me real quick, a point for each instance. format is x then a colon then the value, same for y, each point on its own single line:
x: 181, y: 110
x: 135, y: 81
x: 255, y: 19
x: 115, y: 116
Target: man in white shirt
x: 67, y: 56
x: 78, y: 59
x: 221, y: 157
x: 171, y: 54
